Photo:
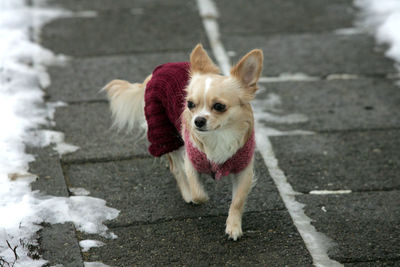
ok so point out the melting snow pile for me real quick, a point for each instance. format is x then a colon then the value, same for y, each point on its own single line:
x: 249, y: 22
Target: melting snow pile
x: 383, y: 17
x: 23, y: 111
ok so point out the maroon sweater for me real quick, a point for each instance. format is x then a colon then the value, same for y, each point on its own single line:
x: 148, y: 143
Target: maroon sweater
x: 164, y: 103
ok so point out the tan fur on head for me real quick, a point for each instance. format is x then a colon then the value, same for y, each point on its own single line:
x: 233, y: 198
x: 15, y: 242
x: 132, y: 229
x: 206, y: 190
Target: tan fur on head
x: 248, y: 69
x: 200, y: 62
x: 233, y: 126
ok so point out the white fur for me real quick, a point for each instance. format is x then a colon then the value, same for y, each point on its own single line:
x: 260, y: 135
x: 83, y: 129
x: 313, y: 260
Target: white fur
x: 204, y: 112
x: 221, y: 144
x: 127, y: 105
x: 177, y: 167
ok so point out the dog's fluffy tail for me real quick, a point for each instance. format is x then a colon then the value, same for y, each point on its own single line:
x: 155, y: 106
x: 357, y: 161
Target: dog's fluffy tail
x: 127, y: 105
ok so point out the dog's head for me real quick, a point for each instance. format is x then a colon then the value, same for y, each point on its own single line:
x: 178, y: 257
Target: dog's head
x: 221, y: 102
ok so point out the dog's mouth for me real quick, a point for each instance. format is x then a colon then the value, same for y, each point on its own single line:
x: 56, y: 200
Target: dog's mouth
x: 201, y: 129
x: 204, y: 130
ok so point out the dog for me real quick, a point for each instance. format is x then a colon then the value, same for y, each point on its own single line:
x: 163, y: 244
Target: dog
x: 201, y: 120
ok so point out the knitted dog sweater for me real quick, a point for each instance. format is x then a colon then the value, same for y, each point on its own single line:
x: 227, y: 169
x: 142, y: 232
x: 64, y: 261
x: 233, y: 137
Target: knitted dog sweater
x: 164, y: 103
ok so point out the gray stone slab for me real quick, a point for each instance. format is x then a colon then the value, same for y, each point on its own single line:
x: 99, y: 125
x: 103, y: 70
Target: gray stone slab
x: 81, y: 79
x: 275, y: 16
x: 270, y: 239
x: 59, y: 245
x: 145, y: 191
x: 313, y: 54
x: 333, y: 105
x: 47, y: 167
x: 365, y: 226
x: 156, y: 28
x: 88, y: 126
x: 359, y: 161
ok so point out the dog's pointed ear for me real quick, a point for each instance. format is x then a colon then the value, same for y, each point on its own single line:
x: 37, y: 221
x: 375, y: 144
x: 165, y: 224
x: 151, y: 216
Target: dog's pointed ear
x: 248, y: 69
x: 200, y: 62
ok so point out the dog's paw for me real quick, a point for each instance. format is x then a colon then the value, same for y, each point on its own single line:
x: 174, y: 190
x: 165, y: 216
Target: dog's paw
x: 233, y: 229
x: 186, y: 196
x: 200, y: 198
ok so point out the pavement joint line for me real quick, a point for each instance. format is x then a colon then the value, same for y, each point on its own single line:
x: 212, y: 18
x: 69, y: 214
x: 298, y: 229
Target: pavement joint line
x: 112, y: 225
x: 102, y: 160
x: 315, y: 242
x: 129, y: 53
x: 89, y: 101
x: 285, y: 33
x: 356, y: 130
x: 374, y: 260
x: 66, y: 180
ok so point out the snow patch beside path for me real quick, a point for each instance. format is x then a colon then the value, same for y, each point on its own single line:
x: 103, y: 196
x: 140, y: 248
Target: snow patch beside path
x: 383, y: 18
x: 22, y: 77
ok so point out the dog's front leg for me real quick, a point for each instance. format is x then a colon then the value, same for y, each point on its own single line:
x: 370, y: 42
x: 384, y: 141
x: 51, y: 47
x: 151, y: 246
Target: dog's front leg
x: 241, y: 188
x: 196, y: 188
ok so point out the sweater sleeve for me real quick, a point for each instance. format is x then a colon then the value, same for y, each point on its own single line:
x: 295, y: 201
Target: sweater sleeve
x: 164, y: 103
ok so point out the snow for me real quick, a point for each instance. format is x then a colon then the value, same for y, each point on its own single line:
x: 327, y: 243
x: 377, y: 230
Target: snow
x: 22, y: 76
x: 95, y: 264
x: 329, y: 192
x: 382, y: 17
x: 87, y: 244
x: 316, y: 242
x: 287, y: 77
x: 79, y: 191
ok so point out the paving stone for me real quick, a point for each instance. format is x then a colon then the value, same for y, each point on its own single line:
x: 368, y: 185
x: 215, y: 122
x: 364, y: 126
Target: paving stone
x: 81, y: 79
x: 333, y: 105
x: 157, y: 28
x: 88, y: 126
x: 360, y: 161
x: 47, y: 167
x: 59, y: 245
x: 270, y: 239
x: 365, y: 226
x: 313, y: 54
x: 275, y: 16
x: 145, y: 191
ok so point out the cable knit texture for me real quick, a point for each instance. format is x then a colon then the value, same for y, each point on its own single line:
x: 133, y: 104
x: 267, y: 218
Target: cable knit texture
x: 164, y: 103
x: 237, y: 163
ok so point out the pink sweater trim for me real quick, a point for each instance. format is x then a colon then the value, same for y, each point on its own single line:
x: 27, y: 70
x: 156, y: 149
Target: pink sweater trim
x: 237, y: 163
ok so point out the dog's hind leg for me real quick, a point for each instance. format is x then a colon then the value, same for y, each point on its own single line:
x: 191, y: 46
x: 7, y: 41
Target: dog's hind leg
x: 177, y: 167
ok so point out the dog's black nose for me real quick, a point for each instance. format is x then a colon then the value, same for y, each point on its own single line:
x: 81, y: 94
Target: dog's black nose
x: 200, y: 121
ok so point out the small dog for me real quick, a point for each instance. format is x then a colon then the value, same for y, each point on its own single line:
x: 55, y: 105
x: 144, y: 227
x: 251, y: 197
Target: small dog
x: 201, y: 120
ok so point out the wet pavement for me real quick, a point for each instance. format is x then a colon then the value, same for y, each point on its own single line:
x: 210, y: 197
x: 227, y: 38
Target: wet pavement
x: 355, y: 145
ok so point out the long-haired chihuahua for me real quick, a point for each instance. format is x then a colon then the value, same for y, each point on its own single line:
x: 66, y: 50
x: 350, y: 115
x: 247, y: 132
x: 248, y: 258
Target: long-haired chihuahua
x: 201, y: 120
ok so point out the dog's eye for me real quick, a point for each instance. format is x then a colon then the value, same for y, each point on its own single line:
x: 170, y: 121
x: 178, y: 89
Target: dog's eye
x: 190, y: 104
x: 219, y: 107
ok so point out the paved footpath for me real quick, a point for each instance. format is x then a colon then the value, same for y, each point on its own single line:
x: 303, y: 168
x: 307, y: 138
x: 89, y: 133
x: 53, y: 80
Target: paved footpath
x: 355, y: 145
